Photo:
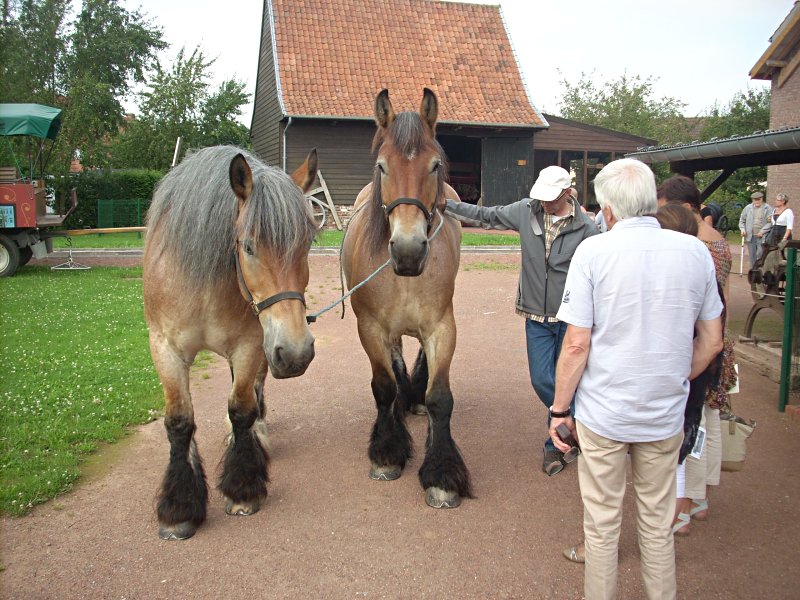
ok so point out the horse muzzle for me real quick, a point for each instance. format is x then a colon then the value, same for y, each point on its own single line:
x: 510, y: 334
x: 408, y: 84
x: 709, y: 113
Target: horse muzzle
x: 409, y: 254
x: 288, y: 355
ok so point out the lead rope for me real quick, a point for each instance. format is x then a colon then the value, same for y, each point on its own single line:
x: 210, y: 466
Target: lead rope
x: 313, y: 317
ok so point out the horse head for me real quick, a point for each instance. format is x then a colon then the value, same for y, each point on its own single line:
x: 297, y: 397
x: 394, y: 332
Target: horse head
x: 272, y: 262
x: 409, y: 178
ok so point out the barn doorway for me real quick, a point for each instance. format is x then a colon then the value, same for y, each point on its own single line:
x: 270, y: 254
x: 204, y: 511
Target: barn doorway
x: 463, y: 165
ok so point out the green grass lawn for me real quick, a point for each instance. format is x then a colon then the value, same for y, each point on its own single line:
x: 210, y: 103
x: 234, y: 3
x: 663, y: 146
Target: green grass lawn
x: 76, y: 372
x: 327, y: 238
x: 102, y: 240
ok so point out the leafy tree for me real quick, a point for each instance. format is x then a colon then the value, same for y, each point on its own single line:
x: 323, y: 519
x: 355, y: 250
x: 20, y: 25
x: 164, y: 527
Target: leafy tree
x: 746, y: 113
x: 625, y: 104
x: 178, y: 104
x: 86, y: 67
x: 32, y: 48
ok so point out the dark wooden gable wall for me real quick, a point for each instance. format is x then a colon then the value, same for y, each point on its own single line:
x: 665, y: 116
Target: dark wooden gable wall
x: 266, y: 129
x: 343, y: 150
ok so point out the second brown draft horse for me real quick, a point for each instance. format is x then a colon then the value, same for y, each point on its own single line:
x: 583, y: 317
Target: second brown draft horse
x: 400, y: 216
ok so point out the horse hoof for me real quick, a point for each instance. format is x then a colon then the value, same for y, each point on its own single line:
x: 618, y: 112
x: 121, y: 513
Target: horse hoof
x: 438, y: 498
x: 242, y: 509
x: 418, y: 409
x: 179, y: 531
x: 385, y: 473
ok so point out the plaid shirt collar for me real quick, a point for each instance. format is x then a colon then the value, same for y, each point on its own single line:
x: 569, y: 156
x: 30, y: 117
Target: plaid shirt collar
x: 552, y: 229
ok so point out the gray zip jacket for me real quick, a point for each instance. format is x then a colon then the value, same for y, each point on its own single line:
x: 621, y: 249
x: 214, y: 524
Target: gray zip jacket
x: 541, y: 283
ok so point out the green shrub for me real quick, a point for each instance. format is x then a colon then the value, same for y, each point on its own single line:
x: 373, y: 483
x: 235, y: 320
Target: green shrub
x: 92, y: 186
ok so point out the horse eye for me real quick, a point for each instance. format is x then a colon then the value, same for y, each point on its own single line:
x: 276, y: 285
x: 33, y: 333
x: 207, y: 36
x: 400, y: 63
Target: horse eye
x: 381, y: 168
x: 436, y: 166
x: 248, y: 249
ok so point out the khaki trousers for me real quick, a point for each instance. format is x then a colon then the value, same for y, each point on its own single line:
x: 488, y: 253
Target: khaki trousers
x: 601, y: 473
x: 704, y: 471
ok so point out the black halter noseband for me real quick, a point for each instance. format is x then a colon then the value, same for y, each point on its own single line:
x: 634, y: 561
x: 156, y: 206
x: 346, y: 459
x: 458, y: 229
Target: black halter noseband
x: 414, y: 202
x: 259, y: 306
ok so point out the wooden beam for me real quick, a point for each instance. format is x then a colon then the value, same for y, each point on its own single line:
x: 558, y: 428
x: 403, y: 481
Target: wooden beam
x: 718, y: 181
x: 787, y: 70
x: 328, y: 200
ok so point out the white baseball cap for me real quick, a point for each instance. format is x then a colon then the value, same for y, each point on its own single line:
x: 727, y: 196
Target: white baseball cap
x: 550, y: 184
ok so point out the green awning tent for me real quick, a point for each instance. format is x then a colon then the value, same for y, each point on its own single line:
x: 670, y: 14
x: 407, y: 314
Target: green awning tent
x: 35, y: 120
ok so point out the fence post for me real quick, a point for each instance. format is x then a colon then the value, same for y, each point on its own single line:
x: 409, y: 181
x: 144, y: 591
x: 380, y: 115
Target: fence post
x: 788, y: 324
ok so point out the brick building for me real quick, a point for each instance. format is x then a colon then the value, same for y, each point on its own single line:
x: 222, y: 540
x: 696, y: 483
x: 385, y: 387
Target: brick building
x: 780, y: 64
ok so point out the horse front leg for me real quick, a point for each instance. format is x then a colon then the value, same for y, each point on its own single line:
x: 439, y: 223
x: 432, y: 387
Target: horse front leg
x: 390, y: 442
x: 443, y: 474
x: 183, y: 496
x: 245, y: 465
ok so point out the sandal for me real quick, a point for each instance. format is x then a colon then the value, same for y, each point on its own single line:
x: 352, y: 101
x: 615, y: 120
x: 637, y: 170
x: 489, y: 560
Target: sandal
x: 699, y: 509
x: 571, y: 554
x: 681, y: 524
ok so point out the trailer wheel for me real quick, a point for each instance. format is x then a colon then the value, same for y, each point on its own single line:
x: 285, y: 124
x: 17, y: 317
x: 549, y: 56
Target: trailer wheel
x: 9, y: 256
x: 25, y: 254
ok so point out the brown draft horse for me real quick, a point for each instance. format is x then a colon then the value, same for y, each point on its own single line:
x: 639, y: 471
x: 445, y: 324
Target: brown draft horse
x: 400, y: 215
x: 225, y: 269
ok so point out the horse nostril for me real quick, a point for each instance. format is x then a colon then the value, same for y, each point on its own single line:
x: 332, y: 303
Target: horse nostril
x: 277, y: 353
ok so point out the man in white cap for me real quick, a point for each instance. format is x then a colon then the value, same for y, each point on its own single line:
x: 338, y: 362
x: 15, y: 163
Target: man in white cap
x: 551, y: 224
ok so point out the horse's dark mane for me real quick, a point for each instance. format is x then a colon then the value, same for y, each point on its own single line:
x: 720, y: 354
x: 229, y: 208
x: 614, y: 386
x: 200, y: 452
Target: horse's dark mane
x: 409, y: 135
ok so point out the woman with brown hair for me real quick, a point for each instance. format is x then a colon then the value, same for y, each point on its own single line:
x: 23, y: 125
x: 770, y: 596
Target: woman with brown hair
x: 704, y: 471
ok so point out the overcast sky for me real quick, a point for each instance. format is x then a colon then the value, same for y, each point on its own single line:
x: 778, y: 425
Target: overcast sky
x: 698, y: 51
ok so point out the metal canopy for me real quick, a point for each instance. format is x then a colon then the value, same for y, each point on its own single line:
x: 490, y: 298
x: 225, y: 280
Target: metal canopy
x: 777, y: 147
x: 35, y: 120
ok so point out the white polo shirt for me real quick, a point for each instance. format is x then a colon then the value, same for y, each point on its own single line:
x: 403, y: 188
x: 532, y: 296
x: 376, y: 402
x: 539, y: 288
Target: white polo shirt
x: 640, y: 289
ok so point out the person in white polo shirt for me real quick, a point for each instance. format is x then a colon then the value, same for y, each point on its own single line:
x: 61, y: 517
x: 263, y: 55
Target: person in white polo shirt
x: 643, y: 318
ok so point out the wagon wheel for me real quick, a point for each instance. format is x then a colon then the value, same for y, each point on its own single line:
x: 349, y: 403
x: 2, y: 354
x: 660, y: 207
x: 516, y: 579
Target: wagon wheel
x: 318, y: 211
x: 25, y: 254
x: 9, y: 256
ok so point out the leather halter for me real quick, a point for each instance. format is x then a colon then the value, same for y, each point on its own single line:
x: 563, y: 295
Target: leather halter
x: 259, y: 306
x: 388, y: 208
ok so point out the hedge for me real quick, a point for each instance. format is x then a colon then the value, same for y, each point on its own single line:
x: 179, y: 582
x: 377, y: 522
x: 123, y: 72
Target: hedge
x: 92, y: 186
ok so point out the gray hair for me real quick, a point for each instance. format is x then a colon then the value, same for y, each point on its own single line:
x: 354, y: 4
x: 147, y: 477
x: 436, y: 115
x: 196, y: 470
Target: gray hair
x: 192, y: 217
x: 782, y: 197
x: 628, y: 187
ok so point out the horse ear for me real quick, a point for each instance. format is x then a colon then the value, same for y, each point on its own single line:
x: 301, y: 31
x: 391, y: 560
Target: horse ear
x: 384, y: 113
x: 429, y: 109
x: 305, y: 174
x: 241, y: 177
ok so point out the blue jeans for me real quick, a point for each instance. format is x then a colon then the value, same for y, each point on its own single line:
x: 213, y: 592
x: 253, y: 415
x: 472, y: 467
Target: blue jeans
x: 544, y: 346
x: 754, y: 248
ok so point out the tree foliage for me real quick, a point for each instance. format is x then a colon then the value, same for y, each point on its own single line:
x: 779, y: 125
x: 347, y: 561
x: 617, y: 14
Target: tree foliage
x: 85, y: 67
x: 626, y: 104
x: 178, y: 103
x: 746, y: 113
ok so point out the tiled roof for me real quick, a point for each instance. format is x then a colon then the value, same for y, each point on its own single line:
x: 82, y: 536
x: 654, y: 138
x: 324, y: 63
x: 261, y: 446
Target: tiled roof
x: 334, y: 56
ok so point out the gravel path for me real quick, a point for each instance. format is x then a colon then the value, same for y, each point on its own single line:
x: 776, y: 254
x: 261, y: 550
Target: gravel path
x: 327, y: 531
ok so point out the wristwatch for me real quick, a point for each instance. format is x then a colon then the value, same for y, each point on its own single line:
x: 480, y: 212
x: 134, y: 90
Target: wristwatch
x: 560, y: 415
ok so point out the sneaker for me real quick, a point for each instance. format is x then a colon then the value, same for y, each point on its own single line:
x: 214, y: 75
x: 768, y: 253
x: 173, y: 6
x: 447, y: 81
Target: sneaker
x: 552, y: 463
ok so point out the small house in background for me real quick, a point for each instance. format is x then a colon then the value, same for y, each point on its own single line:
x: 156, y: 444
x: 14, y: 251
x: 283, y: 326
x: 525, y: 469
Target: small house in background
x: 582, y: 150
x: 780, y: 64
x: 322, y: 62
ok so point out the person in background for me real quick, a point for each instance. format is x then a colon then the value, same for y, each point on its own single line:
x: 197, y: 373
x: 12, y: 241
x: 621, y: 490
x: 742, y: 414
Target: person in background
x: 754, y: 223
x: 633, y: 300
x: 782, y: 220
x: 696, y: 474
x: 551, y: 225
x: 707, y: 214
